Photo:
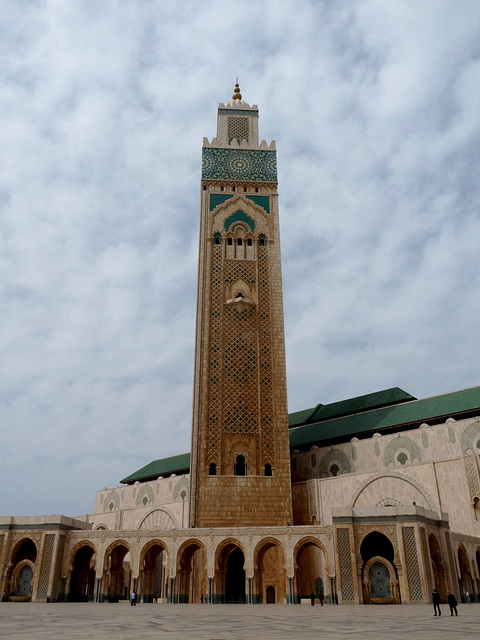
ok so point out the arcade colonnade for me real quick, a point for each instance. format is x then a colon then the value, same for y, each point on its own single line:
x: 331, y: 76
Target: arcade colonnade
x: 358, y: 559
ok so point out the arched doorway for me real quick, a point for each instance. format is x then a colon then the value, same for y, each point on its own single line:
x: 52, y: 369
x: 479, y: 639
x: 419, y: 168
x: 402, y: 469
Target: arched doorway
x: 153, y: 573
x: 21, y: 573
x: 379, y: 575
x: 82, y: 580
x: 230, y: 574
x: 191, y: 573
x: 438, y: 570
x: 465, y: 580
x: 310, y: 570
x: 117, y: 576
x: 270, y: 574
x: 235, y: 577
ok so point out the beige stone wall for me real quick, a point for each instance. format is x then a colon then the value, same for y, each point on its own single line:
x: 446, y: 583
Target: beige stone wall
x: 440, y: 473
x: 161, y: 503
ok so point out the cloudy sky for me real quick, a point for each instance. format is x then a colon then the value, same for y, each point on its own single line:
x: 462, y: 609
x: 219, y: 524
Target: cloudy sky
x: 375, y: 108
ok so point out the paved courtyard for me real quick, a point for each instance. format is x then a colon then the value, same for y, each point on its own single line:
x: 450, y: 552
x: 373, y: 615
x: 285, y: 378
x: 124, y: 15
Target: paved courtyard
x: 233, y: 622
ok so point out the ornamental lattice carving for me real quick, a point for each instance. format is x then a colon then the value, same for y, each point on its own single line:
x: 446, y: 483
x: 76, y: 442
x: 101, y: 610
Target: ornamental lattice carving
x: 411, y: 560
x: 472, y: 476
x: 334, y: 455
x: 312, y: 499
x: 401, y: 442
x: 47, y: 556
x: 346, y: 572
x: 265, y: 357
x: 469, y: 437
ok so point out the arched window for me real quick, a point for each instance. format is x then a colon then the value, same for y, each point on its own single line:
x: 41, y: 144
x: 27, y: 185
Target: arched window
x: 249, y: 242
x: 268, y: 469
x: 402, y: 458
x: 212, y: 469
x: 240, y: 466
x: 334, y: 469
x: 217, y: 239
x: 262, y: 241
x: 239, y: 242
x: 230, y: 241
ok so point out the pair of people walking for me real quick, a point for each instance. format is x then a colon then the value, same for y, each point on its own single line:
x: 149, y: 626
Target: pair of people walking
x: 452, y: 603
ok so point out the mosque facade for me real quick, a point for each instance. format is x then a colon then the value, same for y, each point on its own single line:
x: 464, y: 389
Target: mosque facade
x: 370, y: 500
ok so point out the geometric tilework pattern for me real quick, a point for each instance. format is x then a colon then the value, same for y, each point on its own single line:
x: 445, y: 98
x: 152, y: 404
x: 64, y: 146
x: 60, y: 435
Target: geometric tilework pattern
x: 49, y: 541
x: 411, y: 558
x: 239, y: 112
x: 239, y: 164
x: 346, y: 574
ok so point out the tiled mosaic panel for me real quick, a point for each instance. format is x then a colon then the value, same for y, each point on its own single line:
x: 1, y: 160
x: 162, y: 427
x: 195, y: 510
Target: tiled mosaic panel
x: 49, y: 541
x: 411, y: 558
x: 239, y: 164
x: 239, y: 112
x: 346, y: 574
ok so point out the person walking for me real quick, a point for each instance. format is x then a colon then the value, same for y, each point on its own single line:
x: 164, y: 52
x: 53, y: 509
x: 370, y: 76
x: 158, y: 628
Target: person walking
x: 133, y: 598
x: 452, y: 603
x: 312, y: 599
x: 436, y: 602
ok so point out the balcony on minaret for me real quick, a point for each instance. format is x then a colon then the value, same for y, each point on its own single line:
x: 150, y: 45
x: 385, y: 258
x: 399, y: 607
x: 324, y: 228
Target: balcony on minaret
x: 240, y: 303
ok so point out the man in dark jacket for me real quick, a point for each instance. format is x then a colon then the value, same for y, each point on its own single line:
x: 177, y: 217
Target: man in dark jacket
x: 436, y: 602
x: 452, y: 601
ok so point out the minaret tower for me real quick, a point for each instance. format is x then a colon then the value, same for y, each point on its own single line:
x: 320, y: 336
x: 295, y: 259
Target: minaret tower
x: 240, y: 463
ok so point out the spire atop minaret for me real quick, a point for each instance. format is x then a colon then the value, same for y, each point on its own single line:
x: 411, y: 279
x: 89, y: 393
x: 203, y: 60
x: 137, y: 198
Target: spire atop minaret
x: 236, y: 92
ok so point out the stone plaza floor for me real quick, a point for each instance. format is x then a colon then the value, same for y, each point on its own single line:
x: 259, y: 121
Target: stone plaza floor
x: 234, y: 622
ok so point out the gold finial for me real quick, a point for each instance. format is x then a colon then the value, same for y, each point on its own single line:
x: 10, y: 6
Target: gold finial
x: 236, y: 92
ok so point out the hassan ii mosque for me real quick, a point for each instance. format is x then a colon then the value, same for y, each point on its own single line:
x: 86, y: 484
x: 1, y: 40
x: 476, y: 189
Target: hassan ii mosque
x: 374, y: 499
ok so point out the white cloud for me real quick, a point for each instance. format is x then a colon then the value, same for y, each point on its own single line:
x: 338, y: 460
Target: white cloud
x: 374, y: 107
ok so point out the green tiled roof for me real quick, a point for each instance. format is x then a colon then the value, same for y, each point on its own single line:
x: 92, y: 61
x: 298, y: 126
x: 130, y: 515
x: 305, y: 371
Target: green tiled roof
x: 407, y: 413
x: 359, y: 404
x: 341, y: 420
x: 164, y: 466
x: 300, y: 417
